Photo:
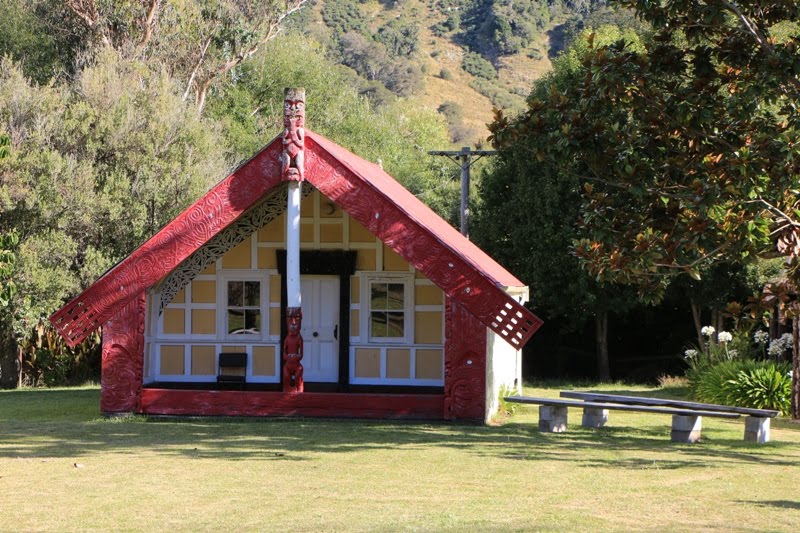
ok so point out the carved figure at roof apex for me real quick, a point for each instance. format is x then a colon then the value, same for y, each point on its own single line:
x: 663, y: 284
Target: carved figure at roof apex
x: 294, y: 116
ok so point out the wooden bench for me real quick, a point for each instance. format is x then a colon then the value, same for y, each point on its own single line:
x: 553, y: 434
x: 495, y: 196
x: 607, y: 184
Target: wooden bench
x: 686, y: 423
x: 756, y: 425
x: 232, y: 369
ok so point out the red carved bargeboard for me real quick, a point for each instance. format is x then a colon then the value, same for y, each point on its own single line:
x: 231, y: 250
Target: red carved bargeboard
x: 172, y: 244
x: 365, y: 192
x: 464, y: 364
x: 123, y: 355
x: 390, y: 212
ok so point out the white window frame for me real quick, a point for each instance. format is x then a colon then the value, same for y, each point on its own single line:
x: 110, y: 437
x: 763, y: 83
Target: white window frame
x: 367, y: 279
x: 223, y: 277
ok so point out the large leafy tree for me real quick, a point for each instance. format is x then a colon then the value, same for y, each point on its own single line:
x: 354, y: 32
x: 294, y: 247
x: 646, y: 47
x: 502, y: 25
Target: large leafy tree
x: 530, y: 211
x: 93, y: 169
x: 687, y: 150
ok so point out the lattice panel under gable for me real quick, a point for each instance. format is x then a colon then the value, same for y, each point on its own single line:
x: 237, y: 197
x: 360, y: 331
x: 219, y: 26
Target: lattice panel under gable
x: 259, y: 216
x: 75, y: 321
x: 515, y: 323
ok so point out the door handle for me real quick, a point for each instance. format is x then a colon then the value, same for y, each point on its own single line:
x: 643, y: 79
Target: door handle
x: 336, y: 332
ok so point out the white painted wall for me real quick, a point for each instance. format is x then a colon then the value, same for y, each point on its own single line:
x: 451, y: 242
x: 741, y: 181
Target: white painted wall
x: 503, y: 363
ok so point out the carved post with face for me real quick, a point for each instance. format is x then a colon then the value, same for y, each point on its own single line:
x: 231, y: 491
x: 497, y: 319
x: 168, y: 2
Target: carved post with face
x: 293, y: 352
x: 294, y: 116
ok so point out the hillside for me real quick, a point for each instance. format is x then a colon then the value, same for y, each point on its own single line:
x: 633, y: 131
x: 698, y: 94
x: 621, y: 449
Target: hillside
x: 460, y: 57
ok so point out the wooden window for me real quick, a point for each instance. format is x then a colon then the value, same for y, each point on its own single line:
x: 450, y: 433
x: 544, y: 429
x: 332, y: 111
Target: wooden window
x: 243, y: 314
x: 389, y: 317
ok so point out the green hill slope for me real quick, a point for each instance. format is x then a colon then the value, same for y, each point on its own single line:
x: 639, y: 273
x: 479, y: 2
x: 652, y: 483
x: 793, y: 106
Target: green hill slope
x: 461, y: 57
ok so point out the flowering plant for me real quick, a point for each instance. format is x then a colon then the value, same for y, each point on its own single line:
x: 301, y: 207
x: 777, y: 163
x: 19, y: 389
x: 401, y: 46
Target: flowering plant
x: 707, y: 331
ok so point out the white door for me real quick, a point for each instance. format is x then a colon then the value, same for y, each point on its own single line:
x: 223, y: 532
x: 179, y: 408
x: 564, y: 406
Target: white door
x: 320, y: 330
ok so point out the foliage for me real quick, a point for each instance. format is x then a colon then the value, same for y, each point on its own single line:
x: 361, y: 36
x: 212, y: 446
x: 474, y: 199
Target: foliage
x: 684, y: 147
x: 400, y: 37
x: 199, y: 44
x: 500, y: 97
x: 41, y: 35
x: 372, y: 61
x: 477, y: 66
x: 48, y: 361
x: 95, y: 168
x: 344, y: 16
x: 531, y: 211
x: 744, y: 383
x: 398, y: 134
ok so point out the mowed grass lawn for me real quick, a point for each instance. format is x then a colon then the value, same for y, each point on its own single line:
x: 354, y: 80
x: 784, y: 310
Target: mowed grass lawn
x: 64, y: 468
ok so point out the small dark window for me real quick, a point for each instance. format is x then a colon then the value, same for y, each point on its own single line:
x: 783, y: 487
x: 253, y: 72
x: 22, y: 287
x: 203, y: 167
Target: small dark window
x: 387, y: 316
x: 244, y: 307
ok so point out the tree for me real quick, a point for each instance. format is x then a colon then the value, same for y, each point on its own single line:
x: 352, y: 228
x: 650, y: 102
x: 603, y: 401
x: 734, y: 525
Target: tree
x: 94, y: 169
x: 687, y: 148
x: 529, y: 219
x: 398, y: 133
x: 199, y: 43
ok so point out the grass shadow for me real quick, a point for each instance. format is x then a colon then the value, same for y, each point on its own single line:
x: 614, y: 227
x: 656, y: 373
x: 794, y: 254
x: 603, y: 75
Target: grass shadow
x: 66, y: 423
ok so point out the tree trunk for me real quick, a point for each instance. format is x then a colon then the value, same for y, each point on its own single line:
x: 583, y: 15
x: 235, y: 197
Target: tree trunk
x: 796, y: 368
x: 601, y: 346
x: 8, y: 362
x: 698, y: 323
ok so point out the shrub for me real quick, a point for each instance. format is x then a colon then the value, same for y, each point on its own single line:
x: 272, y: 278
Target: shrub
x: 478, y: 66
x: 744, y: 383
x: 766, y: 387
x: 445, y: 74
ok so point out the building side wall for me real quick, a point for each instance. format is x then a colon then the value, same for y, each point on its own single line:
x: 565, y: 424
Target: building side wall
x: 503, y: 365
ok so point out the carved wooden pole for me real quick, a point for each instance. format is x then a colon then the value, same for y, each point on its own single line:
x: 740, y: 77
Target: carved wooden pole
x: 292, y: 160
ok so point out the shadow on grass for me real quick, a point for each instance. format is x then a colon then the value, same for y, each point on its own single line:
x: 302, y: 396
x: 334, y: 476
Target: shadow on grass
x: 780, y: 504
x: 65, y: 423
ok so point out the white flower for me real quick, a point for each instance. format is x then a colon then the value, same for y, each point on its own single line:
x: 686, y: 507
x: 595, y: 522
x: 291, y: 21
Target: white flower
x: 787, y: 340
x: 690, y: 353
x: 724, y: 337
x: 707, y: 331
x: 761, y: 337
x: 776, y: 348
x: 733, y: 353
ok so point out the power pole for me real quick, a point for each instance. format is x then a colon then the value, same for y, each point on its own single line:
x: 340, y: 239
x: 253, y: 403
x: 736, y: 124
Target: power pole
x: 464, y: 158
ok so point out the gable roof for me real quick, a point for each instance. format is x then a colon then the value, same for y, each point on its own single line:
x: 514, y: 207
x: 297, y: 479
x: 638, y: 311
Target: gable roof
x: 364, y: 191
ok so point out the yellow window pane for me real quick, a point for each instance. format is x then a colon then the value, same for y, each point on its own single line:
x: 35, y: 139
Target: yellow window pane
x: 172, y: 361
x: 429, y: 364
x: 174, y: 321
x: 263, y: 360
x: 368, y: 363
x: 204, y: 361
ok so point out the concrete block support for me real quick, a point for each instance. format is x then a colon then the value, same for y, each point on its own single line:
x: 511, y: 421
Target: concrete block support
x: 756, y: 429
x: 686, y: 428
x: 594, y: 417
x: 552, y: 418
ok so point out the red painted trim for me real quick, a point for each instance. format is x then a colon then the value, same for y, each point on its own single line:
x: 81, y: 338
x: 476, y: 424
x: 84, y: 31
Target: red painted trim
x: 172, y: 244
x: 365, y: 192
x: 421, y: 237
x: 319, y: 404
x: 464, y: 364
x: 123, y: 356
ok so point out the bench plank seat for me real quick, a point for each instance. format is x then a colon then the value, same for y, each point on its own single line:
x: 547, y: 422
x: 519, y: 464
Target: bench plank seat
x: 620, y: 407
x: 637, y: 400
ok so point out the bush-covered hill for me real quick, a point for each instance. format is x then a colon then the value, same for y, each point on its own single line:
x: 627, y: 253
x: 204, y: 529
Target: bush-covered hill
x: 462, y: 57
